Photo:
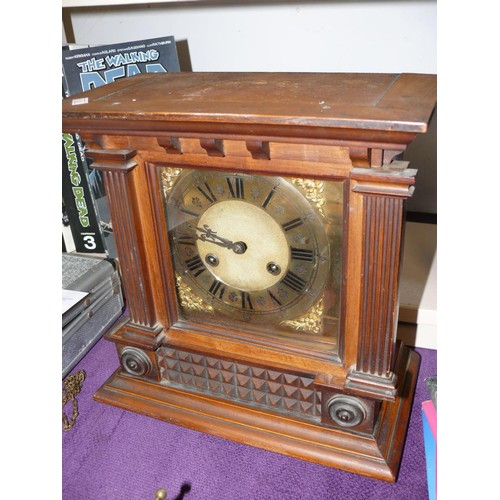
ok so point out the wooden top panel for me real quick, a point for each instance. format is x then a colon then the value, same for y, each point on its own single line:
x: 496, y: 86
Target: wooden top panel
x: 384, y: 102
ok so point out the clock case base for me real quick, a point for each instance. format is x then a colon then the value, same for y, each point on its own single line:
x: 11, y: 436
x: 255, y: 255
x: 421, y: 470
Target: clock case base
x: 376, y: 454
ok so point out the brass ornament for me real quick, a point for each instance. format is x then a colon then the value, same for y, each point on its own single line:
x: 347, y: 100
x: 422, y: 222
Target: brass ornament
x: 311, y: 322
x: 168, y: 176
x: 314, y: 191
x: 188, y: 299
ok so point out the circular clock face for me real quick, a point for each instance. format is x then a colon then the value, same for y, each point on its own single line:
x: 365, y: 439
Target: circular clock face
x: 252, y: 247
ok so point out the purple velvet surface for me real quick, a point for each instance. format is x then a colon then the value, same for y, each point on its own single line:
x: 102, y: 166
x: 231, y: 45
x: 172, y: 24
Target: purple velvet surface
x: 112, y: 454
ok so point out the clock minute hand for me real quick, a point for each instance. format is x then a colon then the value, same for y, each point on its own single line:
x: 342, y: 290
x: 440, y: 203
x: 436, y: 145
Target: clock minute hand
x: 210, y: 236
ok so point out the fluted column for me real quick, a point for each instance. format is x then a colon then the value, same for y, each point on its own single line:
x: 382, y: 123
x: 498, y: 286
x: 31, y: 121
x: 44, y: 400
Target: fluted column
x: 380, y: 195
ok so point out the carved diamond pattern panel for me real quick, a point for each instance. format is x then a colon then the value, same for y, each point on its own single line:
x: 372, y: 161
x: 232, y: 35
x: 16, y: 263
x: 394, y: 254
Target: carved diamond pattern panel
x: 287, y: 392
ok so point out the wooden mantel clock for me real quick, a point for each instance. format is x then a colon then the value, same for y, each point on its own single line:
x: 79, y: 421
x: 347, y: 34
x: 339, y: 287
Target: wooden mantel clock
x: 258, y: 220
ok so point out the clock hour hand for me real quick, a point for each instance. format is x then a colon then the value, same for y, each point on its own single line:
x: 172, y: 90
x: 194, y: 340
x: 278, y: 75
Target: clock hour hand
x: 211, y: 236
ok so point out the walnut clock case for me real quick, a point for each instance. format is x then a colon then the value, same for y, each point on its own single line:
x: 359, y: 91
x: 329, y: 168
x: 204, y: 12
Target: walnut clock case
x: 259, y: 220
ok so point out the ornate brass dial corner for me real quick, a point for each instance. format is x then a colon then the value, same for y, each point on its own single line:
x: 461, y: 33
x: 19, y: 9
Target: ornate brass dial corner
x: 168, y: 176
x: 314, y: 191
x: 311, y: 322
x: 188, y: 299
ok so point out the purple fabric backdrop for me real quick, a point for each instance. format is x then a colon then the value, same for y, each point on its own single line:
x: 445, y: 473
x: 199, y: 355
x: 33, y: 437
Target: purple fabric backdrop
x: 112, y: 454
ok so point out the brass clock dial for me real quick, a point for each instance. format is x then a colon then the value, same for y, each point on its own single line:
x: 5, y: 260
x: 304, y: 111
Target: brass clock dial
x: 252, y: 247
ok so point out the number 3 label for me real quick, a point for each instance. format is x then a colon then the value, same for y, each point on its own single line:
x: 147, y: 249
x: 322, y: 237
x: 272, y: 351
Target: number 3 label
x: 89, y: 242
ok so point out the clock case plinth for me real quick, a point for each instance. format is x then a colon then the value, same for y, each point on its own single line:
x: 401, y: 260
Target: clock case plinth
x: 349, y: 410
